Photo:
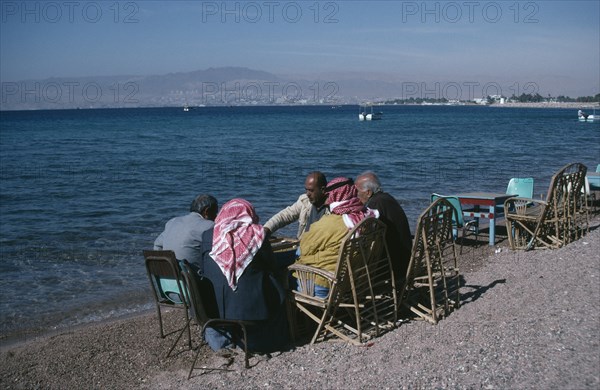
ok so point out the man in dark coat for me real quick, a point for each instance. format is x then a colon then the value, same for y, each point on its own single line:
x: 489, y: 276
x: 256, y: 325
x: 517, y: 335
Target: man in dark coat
x: 398, y: 237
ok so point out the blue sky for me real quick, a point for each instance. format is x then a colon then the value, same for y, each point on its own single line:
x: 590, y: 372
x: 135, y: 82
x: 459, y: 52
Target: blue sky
x: 554, y: 44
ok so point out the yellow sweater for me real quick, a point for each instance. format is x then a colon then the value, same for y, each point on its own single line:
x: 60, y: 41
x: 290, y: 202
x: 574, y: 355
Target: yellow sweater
x: 320, y: 246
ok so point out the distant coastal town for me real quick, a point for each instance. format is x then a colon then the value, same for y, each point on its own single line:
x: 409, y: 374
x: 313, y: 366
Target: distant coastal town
x: 233, y: 86
x: 524, y: 100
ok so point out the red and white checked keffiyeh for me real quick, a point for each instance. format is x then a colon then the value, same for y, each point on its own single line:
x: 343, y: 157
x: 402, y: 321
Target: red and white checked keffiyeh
x: 236, y: 239
x: 342, y: 198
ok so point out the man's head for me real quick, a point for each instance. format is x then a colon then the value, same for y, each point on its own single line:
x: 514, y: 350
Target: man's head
x: 314, y: 185
x: 367, y: 184
x: 206, y: 206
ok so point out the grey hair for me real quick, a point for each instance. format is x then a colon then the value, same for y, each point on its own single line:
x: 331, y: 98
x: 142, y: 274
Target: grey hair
x: 370, y: 181
x: 203, y: 202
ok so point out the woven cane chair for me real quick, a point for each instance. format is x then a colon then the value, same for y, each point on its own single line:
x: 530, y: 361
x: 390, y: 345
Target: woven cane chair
x: 362, y: 301
x: 160, y: 266
x: 431, y: 289
x: 560, y: 219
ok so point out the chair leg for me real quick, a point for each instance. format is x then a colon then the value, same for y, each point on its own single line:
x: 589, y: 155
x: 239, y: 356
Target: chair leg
x: 291, y: 318
x: 160, y: 324
x: 187, y: 325
x: 194, y: 362
x: 245, y: 336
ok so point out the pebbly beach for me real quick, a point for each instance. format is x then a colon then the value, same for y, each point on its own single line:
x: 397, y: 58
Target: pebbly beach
x: 527, y: 320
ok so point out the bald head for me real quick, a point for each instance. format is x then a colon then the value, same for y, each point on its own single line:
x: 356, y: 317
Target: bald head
x: 367, y: 184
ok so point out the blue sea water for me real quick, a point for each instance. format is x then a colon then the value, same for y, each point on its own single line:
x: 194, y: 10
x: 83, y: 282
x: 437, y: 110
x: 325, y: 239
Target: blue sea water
x: 83, y: 192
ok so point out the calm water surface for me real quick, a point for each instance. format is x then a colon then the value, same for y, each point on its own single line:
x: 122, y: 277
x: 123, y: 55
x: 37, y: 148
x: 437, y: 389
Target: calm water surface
x: 83, y: 192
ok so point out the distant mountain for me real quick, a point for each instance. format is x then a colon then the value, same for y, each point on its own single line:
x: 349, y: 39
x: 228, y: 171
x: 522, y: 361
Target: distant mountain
x: 211, y: 86
x: 232, y: 86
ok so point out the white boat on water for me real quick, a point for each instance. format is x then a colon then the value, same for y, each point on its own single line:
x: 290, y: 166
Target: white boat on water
x: 583, y: 117
x: 186, y: 108
x: 365, y: 115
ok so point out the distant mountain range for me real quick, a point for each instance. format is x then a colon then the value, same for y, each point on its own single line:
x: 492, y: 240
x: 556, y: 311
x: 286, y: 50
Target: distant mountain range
x: 225, y: 86
x: 213, y: 86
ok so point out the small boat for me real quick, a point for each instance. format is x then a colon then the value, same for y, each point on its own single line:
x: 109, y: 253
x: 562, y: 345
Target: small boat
x: 583, y: 117
x: 186, y: 108
x: 365, y: 115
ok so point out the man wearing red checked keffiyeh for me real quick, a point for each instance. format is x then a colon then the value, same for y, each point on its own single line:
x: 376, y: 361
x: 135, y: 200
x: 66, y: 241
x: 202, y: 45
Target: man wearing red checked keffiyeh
x: 242, y: 268
x: 320, y: 245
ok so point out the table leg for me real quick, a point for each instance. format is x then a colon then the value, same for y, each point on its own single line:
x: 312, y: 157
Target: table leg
x: 492, y: 225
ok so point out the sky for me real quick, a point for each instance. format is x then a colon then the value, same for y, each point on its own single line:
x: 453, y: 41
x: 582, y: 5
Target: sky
x: 551, y: 45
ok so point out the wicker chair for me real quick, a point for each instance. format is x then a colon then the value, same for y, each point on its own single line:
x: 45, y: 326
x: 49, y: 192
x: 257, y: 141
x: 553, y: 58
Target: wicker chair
x: 431, y: 289
x: 560, y: 219
x: 362, y: 301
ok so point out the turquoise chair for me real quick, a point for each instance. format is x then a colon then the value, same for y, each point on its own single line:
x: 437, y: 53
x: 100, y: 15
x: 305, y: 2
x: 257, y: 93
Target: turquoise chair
x: 168, y: 289
x: 521, y: 187
x: 458, y: 222
x: 598, y: 168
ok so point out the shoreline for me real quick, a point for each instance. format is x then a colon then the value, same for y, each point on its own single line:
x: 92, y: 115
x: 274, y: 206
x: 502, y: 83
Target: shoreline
x: 563, y: 105
x: 526, y: 321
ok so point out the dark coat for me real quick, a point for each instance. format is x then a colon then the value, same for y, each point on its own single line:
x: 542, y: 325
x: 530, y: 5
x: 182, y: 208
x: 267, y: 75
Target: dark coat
x: 258, y: 296
x: 398, y: 237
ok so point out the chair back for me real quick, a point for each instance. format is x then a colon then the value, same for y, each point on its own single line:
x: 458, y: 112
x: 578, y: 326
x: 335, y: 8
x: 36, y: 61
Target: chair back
x: 432, y: 282
x: 202, y: 295
x: 521, y: 187
x: 165, y: 276
x: 457, y: 215
x: 559, y: 220
x: 206, y: 313
x: 564, y: 194
x: 162, y: 266
x: 586, y: 186
x: 363, y: 273
x: 362, y: 301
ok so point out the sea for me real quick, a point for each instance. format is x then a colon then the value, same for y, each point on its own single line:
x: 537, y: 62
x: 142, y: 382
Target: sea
x: 83, y: 192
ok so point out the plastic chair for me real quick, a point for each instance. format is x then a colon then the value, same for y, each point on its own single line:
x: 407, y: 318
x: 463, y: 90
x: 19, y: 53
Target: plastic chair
x: 163, y: 266
x: 206, y: 313
x: 458, y: 222
x: 518, y: 187
x: 590, y: 197
x: 521, y: 187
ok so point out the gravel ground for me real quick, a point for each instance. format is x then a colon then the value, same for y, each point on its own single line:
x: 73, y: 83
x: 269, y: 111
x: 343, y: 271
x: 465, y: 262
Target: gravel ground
x: 528, y: 320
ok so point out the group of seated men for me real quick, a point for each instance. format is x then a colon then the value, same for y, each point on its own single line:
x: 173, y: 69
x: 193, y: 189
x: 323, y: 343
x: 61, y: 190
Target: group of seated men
x: 229, y: 248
